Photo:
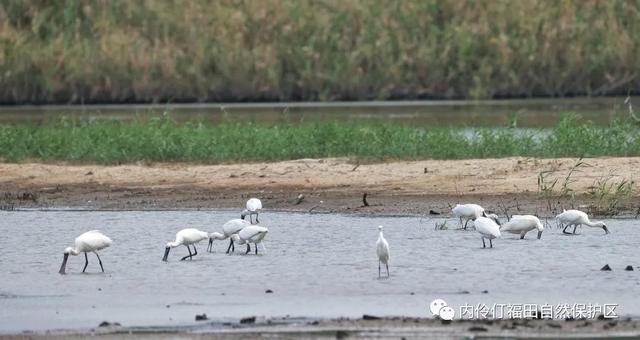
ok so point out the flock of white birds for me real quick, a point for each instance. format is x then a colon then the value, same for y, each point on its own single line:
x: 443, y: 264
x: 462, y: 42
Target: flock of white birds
x: 489, y: 226
x: 243, y: 232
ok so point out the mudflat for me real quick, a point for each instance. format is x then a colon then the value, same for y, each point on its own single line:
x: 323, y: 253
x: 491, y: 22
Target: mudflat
x: 322, y: 185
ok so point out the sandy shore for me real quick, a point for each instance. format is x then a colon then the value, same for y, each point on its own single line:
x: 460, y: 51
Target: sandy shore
x: 326, y: 185
x: 384, y: 328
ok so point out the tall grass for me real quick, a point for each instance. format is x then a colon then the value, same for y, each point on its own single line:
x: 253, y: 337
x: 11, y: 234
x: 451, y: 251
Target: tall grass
x: 162, y: 139
x: 235, y: 50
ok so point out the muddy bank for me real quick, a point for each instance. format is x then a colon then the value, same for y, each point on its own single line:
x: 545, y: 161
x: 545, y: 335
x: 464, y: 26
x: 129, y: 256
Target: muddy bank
x: 369, y: 327
x: 324, y: 185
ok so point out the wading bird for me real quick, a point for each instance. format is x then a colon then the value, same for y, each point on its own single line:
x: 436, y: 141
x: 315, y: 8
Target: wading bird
x: 522, y: 224
x: 575, y: 218
x: 254, y: 206
x: 467, y: 212
x: 382, y: 250
x: 228, y: 229
x: 488, y: 228
x: 251, y: 234
x: 186, y: 237
x: 91, y: 241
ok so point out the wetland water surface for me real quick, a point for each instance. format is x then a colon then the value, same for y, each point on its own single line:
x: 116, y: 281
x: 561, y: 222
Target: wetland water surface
x: 316, y: 265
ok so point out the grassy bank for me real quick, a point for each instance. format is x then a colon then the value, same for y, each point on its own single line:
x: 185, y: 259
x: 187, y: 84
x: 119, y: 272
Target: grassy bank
x: 136, y: 51
x: 162, y: 139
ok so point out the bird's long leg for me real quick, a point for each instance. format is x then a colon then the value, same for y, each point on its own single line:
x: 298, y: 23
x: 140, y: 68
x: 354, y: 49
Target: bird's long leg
x: 574, y: 228
x: 86, y: 262
x: 379, y: 274
x: 195, y: 251
x: 483, y: 245
x: 490, y: 243
x: 210, y: 246
x: 465, y: 224
x: 256, y: 246
x: 189, y: 256
x: 257, y: 219
x: 100, y: 261
x: 564, y: 231
x: 460, y: 222
x: 248, y: 249
x: 386, y: 264
x: 230, y: 245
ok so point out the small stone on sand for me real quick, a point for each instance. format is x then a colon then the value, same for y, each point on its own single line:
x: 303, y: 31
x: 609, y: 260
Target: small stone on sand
x: 606, y: 268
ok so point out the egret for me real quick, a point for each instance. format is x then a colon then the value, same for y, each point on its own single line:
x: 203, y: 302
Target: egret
x: 228, y: 229
x: 575, y: 218
x: 488, y: 228
x: 91, y: 241
x: 467, y: 212
x: 522, y: 224
x: 382, y: 249
x: 186, y: 237
x: 251, y: 234
x: 254, y: 206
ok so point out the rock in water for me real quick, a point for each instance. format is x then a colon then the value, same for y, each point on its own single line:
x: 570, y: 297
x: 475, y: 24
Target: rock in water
x: 251, y: 319
x: 201, y: 317
x: 629, y: 268
x: 606, y: 267
x: 370, y: 317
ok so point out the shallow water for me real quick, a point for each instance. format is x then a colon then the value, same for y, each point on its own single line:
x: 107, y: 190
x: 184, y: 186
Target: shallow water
x: 529, y: 113
x: 317, y: 266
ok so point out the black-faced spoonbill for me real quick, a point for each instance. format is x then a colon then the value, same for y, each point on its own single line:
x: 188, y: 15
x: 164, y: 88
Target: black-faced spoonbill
x: 228, y: 229
x: 488, y: 228
x: 251, y: 234
x: 91, y: 241
x: 575, y: 218
x: 253, y: 208
x: 186, y: 237
x: 467, y: 212
x: 382, y: 250
x: 522, y: 224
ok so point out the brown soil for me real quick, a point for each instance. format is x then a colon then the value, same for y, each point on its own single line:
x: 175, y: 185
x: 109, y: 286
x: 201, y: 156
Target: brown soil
x: 328, y: 185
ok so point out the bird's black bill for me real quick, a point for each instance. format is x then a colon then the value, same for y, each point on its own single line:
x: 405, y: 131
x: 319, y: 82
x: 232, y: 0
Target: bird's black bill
x: 166, y: 253
x: 539, y: 235
x: 606, y: 231
x: 64, y: 264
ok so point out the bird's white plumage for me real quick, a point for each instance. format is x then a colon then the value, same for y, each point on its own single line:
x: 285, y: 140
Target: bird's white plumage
x: 254, y: 205
x: 90, y: 241
x: 487, y: 227
x: 576, y: 218
x: 522, y: 224
x: 188, y: 236
x: 382, y: 250
x: 467, y: 212
x: 234, y: 226
x: 251, y: 234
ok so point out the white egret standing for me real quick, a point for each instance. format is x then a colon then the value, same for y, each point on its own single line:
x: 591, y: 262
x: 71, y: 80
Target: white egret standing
x: 488, y: 228
x: 229, y: 228
x: 186, y: 237
x: 575, y: 218
x: 251, y: 234
x: 522, y: 224
x: 91, y: 241
x: 382, y: 250
x: 254, y: 206
x: 467, y: 212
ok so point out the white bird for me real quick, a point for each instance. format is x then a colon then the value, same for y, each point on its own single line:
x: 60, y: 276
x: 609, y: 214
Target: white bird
x: 488, y: 228
x: 382, y: 249
x: 254, y: 206
x: 91, y: 241
x: 522, y: 224
x: 186, y: 237
x: 229, y: 228
x: 575, y: 218
x: 467, y: 212
x: 251, y: 234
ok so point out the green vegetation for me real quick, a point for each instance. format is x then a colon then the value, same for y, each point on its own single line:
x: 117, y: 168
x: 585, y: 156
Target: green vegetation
x: 236, y: 50
x: 162, y: 139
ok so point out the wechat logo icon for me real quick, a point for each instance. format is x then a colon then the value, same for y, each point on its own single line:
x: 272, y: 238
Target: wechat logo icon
x: 440, y: 309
